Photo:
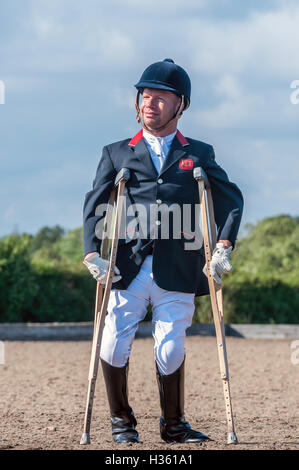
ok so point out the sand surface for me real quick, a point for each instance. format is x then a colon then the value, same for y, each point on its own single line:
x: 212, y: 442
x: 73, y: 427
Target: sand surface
x: 44, y: 386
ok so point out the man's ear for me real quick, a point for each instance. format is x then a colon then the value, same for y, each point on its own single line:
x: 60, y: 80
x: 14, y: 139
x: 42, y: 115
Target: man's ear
x: 181, y: 107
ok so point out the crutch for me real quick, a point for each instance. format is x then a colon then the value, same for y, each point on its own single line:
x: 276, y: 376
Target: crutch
x: 209, y: 236
x: 102, y: 300
x: 104, y: 252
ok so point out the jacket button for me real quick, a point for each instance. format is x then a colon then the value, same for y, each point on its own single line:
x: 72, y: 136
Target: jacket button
x: 160, y: 181
x: 158, y: 222
x: 158, y: 201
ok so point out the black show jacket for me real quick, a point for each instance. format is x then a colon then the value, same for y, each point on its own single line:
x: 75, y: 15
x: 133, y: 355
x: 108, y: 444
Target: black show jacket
x: 174, y: 267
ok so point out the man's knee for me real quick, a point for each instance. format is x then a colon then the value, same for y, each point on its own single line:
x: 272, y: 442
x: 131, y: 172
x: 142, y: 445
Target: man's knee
x: 116, y: 359
x: 169, y: 356
x: 114, y: 351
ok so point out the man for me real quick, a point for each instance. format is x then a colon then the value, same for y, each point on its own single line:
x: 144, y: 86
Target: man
x: 165, y: 271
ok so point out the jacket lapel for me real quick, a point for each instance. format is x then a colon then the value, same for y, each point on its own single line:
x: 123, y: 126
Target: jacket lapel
x: 178, y: 149
x: 141, y: 151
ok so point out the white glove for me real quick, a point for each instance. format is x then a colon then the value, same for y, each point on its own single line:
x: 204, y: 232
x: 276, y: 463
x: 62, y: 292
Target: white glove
x: 220, y: 262
x: 98, y: 267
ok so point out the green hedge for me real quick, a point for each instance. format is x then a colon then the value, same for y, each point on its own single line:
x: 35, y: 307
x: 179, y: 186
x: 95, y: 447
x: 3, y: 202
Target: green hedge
x: 42, y: 278
x: 40, y: 285
x: 267, y: 301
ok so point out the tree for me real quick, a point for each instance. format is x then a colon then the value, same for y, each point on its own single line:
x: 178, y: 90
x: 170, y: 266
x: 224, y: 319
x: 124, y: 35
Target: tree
x: 46, y: 236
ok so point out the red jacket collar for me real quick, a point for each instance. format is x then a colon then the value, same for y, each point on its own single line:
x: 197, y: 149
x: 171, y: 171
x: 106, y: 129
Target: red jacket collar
x: 134, y: 141
x: 183, y: 141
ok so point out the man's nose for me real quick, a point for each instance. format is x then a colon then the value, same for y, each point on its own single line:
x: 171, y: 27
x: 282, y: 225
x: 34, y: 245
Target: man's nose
x: 151, y: 103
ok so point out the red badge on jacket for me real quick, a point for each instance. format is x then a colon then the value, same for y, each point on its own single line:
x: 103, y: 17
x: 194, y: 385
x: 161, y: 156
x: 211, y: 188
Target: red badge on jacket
x: 186, y: 164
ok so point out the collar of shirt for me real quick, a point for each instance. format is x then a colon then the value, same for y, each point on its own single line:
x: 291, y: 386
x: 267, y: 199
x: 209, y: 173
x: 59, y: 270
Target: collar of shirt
x: 158, y: 146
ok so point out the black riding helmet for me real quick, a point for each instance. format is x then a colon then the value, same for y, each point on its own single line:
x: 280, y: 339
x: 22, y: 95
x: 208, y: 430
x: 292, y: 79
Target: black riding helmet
x: 166, y: 75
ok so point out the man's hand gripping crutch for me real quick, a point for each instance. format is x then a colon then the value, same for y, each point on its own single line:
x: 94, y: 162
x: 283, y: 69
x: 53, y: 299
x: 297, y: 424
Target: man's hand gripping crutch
x: 217, y: 263
x: 104, y: 272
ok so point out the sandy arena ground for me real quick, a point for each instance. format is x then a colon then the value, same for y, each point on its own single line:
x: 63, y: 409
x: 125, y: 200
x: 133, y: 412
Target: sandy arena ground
x: 44, y: 385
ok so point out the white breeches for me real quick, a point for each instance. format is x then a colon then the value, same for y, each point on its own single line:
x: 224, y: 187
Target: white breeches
x: 172, y: 314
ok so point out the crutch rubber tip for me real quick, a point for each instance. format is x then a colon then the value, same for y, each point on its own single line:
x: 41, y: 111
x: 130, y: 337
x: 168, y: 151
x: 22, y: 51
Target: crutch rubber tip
x: 232, y: 438
x: 85, y: 439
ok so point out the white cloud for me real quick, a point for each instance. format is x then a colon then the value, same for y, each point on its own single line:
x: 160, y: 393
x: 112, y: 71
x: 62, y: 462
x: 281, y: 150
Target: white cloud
x: 124, y: 97
x: 228, y: 87
x: 228, y: 114
x: 156, y: 7
x: 262, y: 45
x: 234, y: 106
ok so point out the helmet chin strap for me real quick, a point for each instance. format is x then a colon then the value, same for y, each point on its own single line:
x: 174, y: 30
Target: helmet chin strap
x: 176, y: 116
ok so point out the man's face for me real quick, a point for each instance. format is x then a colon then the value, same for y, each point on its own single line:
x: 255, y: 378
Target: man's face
x: 158, y: 107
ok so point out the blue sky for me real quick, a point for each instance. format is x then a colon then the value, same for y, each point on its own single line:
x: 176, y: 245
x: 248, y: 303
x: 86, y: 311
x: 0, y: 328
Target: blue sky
x: 69, y: 68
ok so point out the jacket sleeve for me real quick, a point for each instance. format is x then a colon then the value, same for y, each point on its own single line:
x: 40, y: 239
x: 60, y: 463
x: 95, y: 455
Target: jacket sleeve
x: 95, y: 201
x: 227, y: 200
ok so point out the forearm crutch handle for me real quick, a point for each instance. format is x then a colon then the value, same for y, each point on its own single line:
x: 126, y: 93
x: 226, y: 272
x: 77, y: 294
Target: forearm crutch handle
x: 102, y: 299
x: 209, y: 237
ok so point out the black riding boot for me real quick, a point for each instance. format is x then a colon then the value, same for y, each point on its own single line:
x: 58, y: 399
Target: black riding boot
x: 173, y: 425
x: 121, y: 415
